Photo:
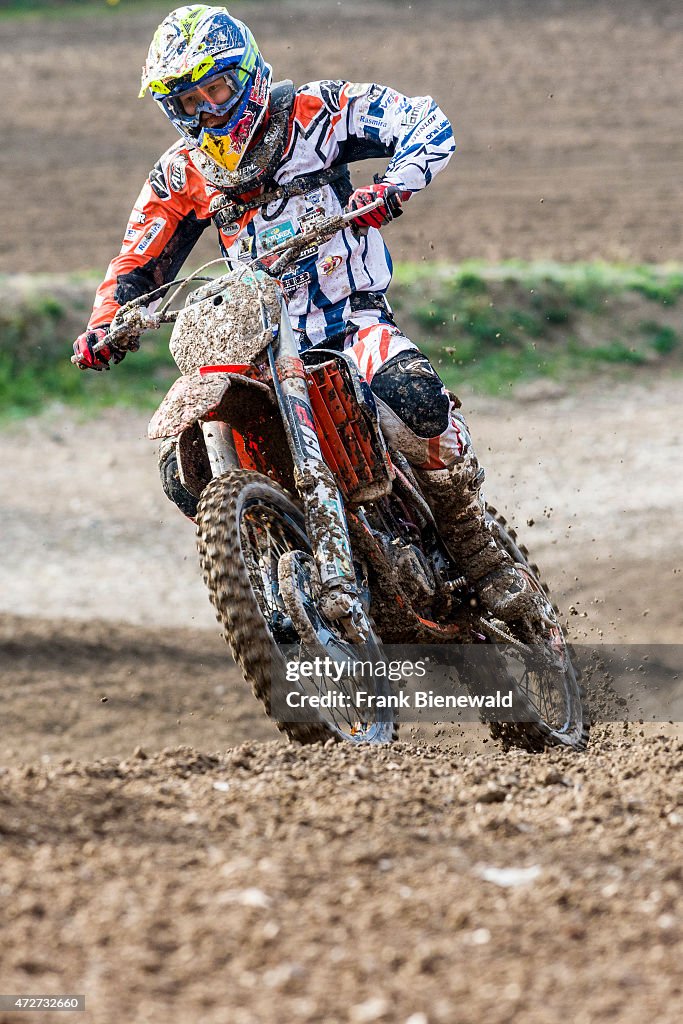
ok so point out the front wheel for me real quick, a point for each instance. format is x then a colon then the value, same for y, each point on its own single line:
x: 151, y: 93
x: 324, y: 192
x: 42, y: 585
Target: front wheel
x: 248, y: 530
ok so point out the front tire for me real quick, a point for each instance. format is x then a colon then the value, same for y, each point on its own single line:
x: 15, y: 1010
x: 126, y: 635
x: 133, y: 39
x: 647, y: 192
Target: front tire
x: 246, y: 523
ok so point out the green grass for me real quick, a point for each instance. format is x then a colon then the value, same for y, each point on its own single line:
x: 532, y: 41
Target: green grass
x: 492, y: 327
x: 495, y: 326
x: 663, y: 340
x: 38, y: 321
x: 140, y: 381
x: 665, y: 292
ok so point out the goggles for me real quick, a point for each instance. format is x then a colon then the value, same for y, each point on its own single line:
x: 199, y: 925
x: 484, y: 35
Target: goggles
x: 216, y: 95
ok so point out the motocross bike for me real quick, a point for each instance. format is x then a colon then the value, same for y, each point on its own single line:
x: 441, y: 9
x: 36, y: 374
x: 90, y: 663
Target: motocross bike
x: 310, y: 530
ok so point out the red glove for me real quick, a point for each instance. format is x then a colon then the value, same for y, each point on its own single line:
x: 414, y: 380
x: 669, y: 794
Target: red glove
x: 393, y: 198
x: 88, y: 359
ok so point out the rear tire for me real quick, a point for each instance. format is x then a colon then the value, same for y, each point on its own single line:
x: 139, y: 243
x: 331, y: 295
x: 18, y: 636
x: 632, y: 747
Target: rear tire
x: 543, y: 692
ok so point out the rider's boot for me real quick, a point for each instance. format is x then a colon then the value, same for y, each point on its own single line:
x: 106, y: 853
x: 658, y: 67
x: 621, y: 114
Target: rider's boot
x: 451, y: 478
x: 454, y: 496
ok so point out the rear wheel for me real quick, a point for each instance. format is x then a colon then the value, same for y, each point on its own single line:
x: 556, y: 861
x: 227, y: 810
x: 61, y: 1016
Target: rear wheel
x: 538, y: 663
x: 249, y: 534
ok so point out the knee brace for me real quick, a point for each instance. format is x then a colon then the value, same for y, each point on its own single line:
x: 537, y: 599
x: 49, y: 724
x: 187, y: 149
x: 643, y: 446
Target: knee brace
x: 417, y: 415
x: 412, y: 388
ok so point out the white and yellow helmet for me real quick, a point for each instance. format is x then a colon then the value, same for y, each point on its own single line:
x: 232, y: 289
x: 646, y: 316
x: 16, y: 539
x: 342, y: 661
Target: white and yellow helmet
x: 195, y: 50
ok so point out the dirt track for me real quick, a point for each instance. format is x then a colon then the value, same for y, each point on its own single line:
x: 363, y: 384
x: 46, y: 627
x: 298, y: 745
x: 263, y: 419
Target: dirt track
x: 266, y: 884
x: 596, y: 474
x: 271, y: 884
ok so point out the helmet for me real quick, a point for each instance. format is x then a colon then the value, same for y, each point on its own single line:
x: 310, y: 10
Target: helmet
x: 204, y: 62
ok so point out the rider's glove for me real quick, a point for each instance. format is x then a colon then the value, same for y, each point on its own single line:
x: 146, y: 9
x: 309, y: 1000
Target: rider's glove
x: 88, y: 359
x: 391, y: 208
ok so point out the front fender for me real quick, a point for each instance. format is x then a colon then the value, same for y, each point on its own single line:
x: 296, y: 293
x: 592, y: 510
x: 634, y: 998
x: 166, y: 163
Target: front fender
x: 193, y: 397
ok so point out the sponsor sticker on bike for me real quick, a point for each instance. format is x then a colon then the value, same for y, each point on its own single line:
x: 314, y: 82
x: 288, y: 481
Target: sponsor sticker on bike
x: 342, y: 557
x: 304, y: 435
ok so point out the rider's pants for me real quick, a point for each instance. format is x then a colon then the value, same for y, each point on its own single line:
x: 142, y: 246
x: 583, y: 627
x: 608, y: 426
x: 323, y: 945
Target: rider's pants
x: 419, y: 417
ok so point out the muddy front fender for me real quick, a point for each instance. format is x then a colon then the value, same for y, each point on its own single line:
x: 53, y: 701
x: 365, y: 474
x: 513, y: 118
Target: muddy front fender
x: 197, y: 396
x: 250, y: 408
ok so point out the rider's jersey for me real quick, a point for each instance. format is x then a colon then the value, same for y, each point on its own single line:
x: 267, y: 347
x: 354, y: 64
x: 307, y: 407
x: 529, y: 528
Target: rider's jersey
x: 331, y: 124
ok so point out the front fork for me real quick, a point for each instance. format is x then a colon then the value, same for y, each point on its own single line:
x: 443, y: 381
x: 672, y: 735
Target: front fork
x: 220, y: 447
x: 323, y: 505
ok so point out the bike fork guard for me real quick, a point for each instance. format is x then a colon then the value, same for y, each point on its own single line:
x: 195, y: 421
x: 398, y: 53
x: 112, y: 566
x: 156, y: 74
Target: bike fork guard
x: 323, y: 504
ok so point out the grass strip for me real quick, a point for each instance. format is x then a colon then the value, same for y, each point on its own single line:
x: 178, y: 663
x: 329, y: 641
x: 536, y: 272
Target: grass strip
x: 495, y: 326
x: 492, y: 327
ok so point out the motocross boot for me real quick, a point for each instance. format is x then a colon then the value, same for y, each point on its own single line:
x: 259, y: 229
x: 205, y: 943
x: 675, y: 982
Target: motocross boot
x: 454, y: 498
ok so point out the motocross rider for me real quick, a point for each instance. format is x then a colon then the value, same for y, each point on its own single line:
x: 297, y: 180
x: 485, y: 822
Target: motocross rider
x: 264, y: 161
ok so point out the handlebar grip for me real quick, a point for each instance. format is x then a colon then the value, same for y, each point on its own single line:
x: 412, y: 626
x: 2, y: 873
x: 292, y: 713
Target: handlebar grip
x: 351, y: 214
x: 394, y: 203
x: 130, y: 332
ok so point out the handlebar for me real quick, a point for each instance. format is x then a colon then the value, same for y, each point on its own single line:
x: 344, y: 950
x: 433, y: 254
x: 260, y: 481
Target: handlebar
x: 321, y: 232
x: 132, y: 320
x: 132, y: 324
